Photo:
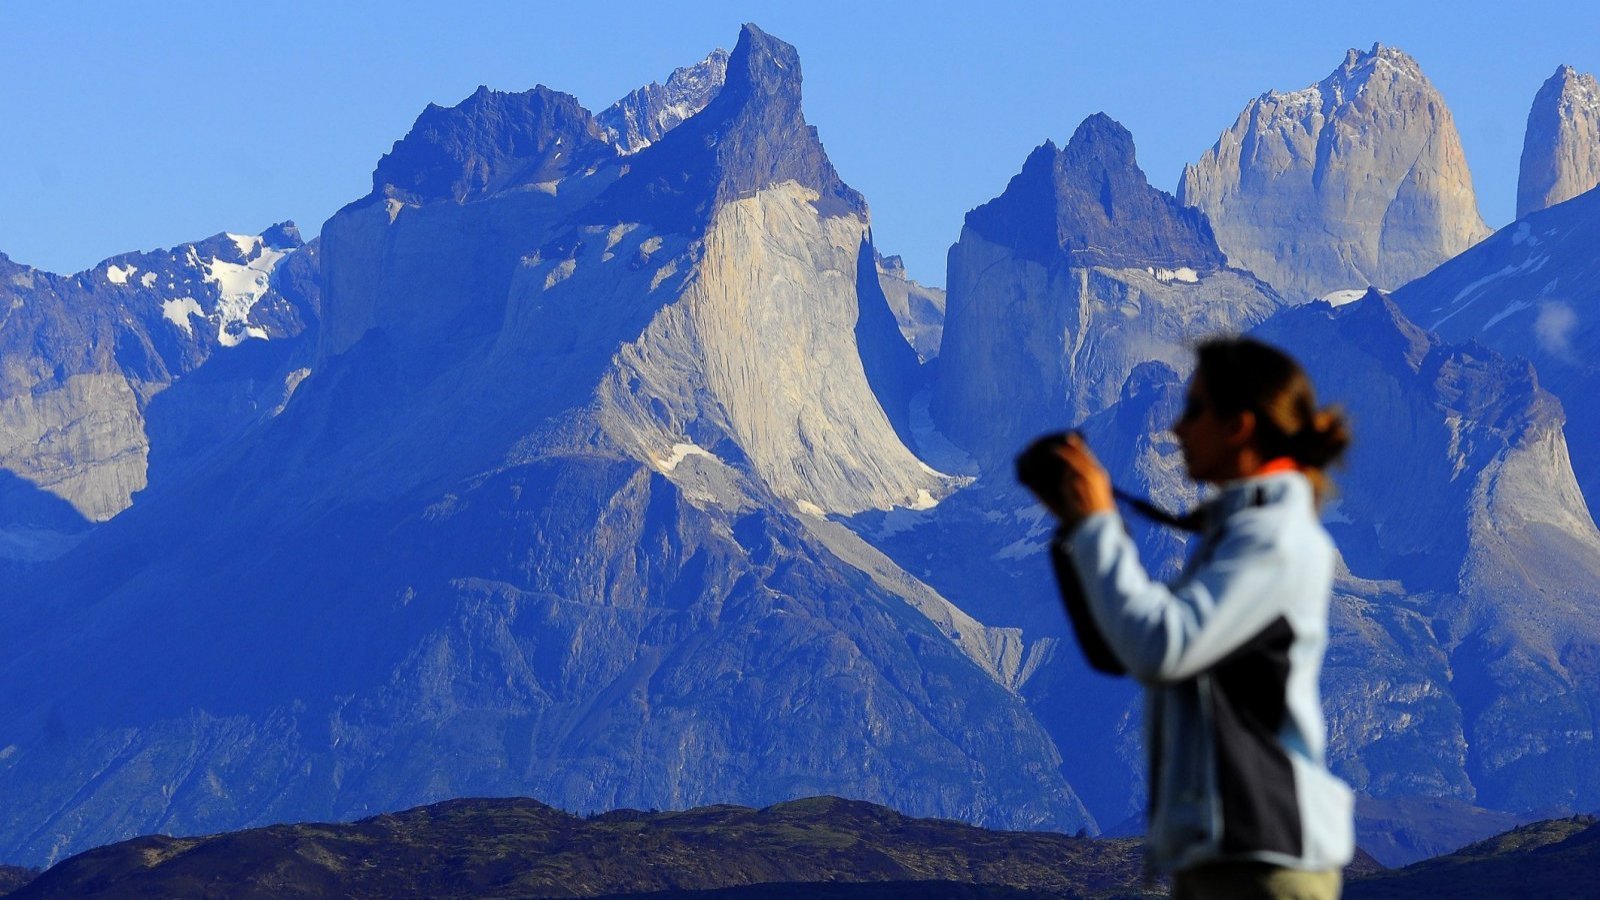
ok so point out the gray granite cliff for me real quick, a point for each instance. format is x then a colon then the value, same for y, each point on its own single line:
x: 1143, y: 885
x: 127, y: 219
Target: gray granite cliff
x: 1355, y: 181
x: 1561, y: 151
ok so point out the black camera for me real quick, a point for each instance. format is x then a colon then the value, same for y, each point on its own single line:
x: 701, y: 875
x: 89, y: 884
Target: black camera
x: 1039, y: 467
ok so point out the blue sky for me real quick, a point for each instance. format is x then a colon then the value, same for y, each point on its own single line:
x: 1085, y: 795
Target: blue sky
x: 135, y: 126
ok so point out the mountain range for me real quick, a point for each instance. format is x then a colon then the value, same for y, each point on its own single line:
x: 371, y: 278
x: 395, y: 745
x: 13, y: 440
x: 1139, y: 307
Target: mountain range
x: 606, y: 459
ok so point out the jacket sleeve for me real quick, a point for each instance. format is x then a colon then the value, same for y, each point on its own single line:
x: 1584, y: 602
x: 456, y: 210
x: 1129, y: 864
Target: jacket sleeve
x: 1165, y: 634
x: 1090, y: 641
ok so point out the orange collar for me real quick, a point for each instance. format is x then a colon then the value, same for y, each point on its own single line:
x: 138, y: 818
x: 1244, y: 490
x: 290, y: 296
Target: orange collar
x: 1274, y: 466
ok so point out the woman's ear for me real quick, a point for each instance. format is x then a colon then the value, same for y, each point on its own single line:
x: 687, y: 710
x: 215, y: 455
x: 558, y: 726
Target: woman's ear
x: 1241, y: 429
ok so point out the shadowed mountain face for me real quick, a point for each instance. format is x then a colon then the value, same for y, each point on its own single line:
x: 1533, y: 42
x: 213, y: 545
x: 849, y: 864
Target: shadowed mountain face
x: 1471, y: 561
x: 90, y: 411
x: 600, y: 468
x: 1526, y: 292
x: 1058, y: 288
x: 533, y: 524
x: 1465, y: 637
x: 1091, y: 202
x: 1355, y: 181
x: 1561, y: 150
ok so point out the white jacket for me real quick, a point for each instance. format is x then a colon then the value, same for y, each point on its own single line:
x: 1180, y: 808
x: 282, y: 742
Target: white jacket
x: 1230, y: 655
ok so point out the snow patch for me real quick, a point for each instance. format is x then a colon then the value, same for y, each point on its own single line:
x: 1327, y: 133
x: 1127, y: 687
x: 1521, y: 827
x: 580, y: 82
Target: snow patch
x: 1516, y: 307
x: 924, y: 500
x: 1023, y: 548
x: 240, y: 286
x: 119, y: 274
x: 810, y: 509
x: 681, y: 452
x: 1340, y: 298
x: 1182, y: 273
x: 245, y: 242
x: 178, y: 312
x: 1468, y: 295
x: 148, y: 279
x: 936, y: 452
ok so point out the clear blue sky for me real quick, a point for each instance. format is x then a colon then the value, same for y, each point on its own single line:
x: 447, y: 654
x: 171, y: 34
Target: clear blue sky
x: 132, y: 126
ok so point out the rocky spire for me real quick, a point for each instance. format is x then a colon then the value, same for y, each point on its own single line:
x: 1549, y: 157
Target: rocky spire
x: 1092, y: 202
x: 751, y: 136
x: 1356, y: 181
x: 1561, y: 152
x: 1062, y: 285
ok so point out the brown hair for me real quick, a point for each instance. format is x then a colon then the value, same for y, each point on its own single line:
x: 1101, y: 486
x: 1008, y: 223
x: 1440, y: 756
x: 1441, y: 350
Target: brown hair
x: 1242, y: 374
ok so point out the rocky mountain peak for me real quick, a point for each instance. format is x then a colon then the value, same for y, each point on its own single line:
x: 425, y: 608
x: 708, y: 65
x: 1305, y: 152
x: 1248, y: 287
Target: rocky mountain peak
x: 1355, y: 181
x: 1102, y: 144
x: 752, y: 135
x: 641, y: 118
x: 284, y: 235
x: 1381, y: 324
x: 1092, y: 202
x: 1379, y: 67
x: 1561, y: 150
x: 489, y: 142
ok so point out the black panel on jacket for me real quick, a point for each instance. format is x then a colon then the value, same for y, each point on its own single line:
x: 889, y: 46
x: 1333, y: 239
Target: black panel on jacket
x: 1255, y: 780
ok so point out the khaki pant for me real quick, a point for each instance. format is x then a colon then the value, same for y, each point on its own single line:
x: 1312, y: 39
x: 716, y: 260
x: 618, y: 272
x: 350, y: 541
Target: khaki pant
x: 1254, y: 881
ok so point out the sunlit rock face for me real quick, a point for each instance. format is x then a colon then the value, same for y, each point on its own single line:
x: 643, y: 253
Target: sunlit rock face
x: 1561, y: 150
x: 86, y: 357
x: 1355, y: 181
x: 545, y: 520
x: 918, y: 309
x: 1076, y: 274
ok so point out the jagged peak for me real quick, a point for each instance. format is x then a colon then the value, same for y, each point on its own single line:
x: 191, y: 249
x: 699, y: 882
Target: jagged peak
x: 1568, y: 85
x: 1101, y: 142
x: 1383, y: 322
x: 1091, y: 201
x: 284, y: 235
x: 1350, y: 79
x: 751, y: 136
x: 647, y: 113
x: 489, y: 142
x: 760, y: 56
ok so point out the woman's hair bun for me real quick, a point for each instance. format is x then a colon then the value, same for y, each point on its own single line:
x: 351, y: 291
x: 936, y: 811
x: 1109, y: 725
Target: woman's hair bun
x: 1323, y: 439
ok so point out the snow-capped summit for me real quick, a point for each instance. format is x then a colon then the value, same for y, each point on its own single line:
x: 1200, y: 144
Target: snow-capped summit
x: 1561, y: 151
x: 1358, y: 180
x: 87, y: 355
x: 641, y: 118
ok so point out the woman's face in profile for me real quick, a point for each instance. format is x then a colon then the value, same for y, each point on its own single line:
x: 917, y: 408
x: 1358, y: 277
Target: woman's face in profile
x: 1203, y: 437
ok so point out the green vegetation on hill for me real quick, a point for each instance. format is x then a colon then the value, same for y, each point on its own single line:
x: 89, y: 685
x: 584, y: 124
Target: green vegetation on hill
x: 522, y: 848
x: 1554, y: 858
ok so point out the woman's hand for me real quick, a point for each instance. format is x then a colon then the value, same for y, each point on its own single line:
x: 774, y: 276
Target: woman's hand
x: 1085, y: 488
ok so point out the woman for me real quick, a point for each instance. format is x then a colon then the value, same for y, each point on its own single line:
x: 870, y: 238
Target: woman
x: 1241, y: 801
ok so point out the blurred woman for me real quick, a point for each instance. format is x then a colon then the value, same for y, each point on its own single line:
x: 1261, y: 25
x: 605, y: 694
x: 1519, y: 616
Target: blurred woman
x: 1241, y: 801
